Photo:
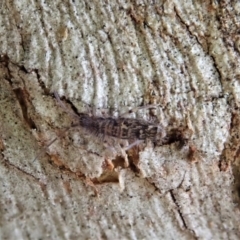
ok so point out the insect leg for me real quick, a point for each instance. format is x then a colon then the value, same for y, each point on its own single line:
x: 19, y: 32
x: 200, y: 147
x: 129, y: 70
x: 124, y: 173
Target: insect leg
x: 135, y: 143
x: 138, y: 108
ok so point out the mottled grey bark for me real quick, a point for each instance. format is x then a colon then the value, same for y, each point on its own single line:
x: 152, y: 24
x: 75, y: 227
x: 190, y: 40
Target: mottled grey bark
x: 114, y: 56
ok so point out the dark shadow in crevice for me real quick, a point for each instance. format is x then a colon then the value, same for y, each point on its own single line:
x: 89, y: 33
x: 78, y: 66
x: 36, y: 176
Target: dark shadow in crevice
x: 21, y: 95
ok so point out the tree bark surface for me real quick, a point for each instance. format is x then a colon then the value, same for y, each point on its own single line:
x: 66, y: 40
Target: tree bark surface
x: 106, y: 58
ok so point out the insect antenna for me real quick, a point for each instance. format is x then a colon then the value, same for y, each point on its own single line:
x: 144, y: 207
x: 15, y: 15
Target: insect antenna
x: 50, y: 143
x: 42, y: 151
x: 63, y: 106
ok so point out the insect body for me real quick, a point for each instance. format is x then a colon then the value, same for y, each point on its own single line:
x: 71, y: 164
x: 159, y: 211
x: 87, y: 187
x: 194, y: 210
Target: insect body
x: 133, y: 130
x: 122, y: 128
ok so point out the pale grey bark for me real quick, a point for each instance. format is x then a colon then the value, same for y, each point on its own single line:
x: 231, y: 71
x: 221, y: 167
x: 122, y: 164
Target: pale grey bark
x: 117, y: 55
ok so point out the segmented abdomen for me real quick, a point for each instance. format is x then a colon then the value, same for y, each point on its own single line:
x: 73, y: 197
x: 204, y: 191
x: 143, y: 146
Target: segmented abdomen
x: 123, y: 128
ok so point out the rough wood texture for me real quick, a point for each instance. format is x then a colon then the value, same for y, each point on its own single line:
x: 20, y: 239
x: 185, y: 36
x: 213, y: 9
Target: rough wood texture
x: 118, y: 55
